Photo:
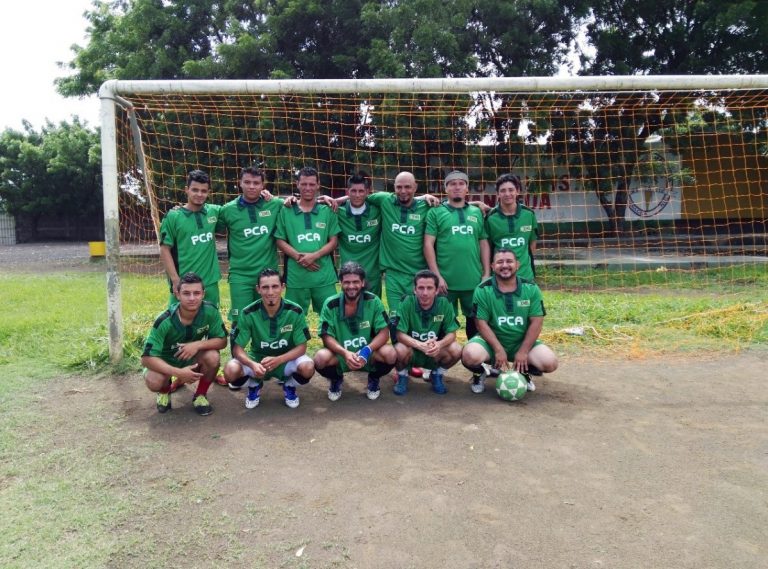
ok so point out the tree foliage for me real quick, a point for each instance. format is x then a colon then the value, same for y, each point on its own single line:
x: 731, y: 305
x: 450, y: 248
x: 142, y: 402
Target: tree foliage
x: 54, y: 171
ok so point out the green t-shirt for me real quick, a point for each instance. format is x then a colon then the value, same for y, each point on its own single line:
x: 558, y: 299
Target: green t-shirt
x: 168, y: 332
x: 402, y: 233
x: 458, y: 232
x: 270, y: 336
x: 191, y: 237
x: 356, y: 331
x: 422, y: 325
x: 307, y: 233
x: 250, y: 235
x: 515, y: 232
x: 508, y: 313
x: 359, y: 239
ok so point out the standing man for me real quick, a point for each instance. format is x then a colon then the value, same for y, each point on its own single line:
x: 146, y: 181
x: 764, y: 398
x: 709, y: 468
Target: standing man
x: 403, y: 220
x: 354, y: 329
x: 277, y: 333
x: 426, y: 333
x: 509, y: 313
x: 250, y: 222
x: 360, y: 224
x: 456, y: 247
x: 187, y: 239
x: 184, y: 342
x: 307, y: 235
x: 511, y: 225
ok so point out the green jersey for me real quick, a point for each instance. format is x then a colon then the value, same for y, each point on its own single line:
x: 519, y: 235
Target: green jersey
x: 168, y: 332
x: 191, y: 237
x: 356, y: 331
x: 515, y: 232
x: 508, y: 313
x: 402, y: 233
x: 270, y: 335
x: 458, y: 232
x: 308, y: 232
x: 250, y: 235
x: 359, y: 239
x: 434, y: 323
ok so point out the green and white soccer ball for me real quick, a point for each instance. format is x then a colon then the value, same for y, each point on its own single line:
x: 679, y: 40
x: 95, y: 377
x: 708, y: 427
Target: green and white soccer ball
x: 511, y: 386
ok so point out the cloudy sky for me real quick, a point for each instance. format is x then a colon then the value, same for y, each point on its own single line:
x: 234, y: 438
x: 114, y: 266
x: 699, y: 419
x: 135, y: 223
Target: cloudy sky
x: 37, y: 34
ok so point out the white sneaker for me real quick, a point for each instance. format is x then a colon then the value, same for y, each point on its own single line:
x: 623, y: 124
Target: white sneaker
x: 252, y: 398
x: 531, y: 386
x: 334, y: 395
x: 477, y: 384
x: 292, y: 403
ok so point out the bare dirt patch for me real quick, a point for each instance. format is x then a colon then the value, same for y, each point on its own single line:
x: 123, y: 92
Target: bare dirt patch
x: 648, y: 463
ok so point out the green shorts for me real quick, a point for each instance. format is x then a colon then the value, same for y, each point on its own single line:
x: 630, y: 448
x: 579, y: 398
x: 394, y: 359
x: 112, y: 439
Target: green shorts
x: 511, y: 351
x: 463, y: 297
x: 343, y: 368
x: 398, y: 285
x: 317, y: 295
x: 242, y: 292
x: 420, y: 359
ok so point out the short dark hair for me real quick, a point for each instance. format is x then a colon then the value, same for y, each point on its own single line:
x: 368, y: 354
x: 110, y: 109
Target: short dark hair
x: 515, y: 180
x: 268, y: 272
x: 198, y: 176
x: 308, y: 172
x: 426, y: 274
x: 189, y: 278
x: 352, y: 268
x: 253, y: 171
x: 359, y: 178
x: 504, y: 250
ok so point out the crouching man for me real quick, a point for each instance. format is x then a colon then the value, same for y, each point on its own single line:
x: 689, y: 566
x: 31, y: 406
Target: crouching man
x: 277, y: 333
x: 354, y: 329
x: 426, y: 333
x: 184, y: 343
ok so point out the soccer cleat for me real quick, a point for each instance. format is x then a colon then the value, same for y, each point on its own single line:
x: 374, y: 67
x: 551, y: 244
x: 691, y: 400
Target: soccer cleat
x: 220, y: 379
x: 373, y: 388
x: 291, y: 399
x: 478, y: 382
x: 252, y: 397
x: 416, y: 371
x: 334, y: 391
x: 437, y: 383
x: 491, y: 371
x: 201, y: 405
x: 163, y: 402
x: 175, y: 384
x: 529, y: 382
x: 401, y: 387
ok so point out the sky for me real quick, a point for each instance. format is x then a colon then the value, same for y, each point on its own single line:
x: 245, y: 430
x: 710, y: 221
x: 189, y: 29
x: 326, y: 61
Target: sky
x: 36, y: 34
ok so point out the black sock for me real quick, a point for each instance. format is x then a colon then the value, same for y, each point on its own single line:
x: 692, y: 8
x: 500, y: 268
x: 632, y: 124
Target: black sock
x: 330, y: 372
x: 301, y: 380
x: 240, y: 381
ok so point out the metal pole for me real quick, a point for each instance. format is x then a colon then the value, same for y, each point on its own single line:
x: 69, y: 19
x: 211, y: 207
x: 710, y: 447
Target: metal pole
x: 111, y: 223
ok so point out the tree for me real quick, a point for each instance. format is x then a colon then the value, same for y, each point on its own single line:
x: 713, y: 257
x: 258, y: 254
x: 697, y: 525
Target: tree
x: 678, y: 37
x: 54, y: 171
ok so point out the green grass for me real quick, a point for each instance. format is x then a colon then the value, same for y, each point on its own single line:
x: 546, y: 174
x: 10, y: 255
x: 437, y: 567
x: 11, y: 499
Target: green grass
x: 70, y: 499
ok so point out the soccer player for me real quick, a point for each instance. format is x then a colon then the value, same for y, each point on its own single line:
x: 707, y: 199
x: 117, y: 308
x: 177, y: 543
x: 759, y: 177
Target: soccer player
x: 403, y: 219
x: 455, y: 245
x: 426, y: 333
x: 307, y: 233
x: 511, y: 225
x: 509, y: 314
x: 360, y: 224
x: 277, y: 333
x: 187, y: 241
x: 354, y: 330
x: 184, y: 342
x: 250, y: 222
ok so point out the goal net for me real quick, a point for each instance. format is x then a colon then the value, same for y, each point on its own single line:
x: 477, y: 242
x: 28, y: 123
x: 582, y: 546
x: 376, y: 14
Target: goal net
x: 635, y: 181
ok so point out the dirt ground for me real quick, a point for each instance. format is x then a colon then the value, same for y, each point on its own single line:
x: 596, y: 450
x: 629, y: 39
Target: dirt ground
x: 616, y: 463
x: 608, y: 464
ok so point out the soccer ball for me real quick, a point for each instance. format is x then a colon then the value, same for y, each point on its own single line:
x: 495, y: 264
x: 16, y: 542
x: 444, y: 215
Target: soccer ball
x: 511, y: 386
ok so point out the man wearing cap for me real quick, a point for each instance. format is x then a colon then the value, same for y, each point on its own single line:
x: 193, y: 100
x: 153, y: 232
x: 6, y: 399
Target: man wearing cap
x: 456, y: 246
